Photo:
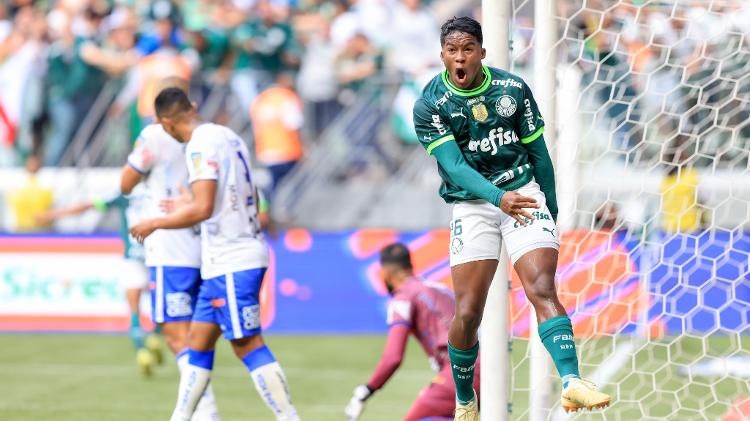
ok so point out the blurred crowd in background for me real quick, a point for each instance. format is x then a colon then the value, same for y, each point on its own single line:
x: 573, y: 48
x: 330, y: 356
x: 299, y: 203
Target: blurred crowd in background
x: 663, y: 82
x: 57, y: 56
x: 667, y: 73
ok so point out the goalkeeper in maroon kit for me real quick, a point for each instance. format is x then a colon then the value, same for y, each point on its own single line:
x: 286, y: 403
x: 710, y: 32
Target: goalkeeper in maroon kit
x: 425, y: 310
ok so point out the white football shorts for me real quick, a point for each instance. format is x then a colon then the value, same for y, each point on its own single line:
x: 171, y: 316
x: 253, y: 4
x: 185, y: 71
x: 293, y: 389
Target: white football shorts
x: 134, y: 274
x: 478, y: 228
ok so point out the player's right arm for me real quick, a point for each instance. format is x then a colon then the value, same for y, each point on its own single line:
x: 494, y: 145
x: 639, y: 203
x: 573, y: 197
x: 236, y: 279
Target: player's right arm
x: 399, y: 318
x: 55, y: 214
x: 139, y: 163
x: 440, y: 142
x: 99, y: 204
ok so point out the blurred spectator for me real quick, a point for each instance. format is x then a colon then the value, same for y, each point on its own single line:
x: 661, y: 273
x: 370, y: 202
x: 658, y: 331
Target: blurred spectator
x: 160, y: 58
x: 415, y: 53
x: 680, y: 206
x: 613, y: 81
x: 367, y: 17
x: 356, y: 63
x: 30, y: 200
x: 277, y: 119
x: 165, y: 20
x: 264, y: 46
x: 415, y: 42
x: 85, y: 81
x: 316, y: 86
x: 117, y: 54
x: 21, y: 66
x: 210, y: 42
x: 5, y: 24
x: 60, y: 109
x: 607, y: 217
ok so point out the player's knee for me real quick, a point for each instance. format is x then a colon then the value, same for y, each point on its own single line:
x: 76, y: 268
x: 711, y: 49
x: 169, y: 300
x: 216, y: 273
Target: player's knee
x: 176, y: 335
x: 542, y: 289
x: 246, y: 345
x: 468, y: 316
x: 176, y: 340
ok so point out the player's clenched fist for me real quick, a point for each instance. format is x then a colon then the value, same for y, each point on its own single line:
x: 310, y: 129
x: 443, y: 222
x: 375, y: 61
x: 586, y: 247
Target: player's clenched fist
x: 357, y: 404
x: 514, y: 204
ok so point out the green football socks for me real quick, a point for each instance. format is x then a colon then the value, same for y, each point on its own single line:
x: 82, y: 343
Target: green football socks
x: 462, y: 366
x: 557, y: 336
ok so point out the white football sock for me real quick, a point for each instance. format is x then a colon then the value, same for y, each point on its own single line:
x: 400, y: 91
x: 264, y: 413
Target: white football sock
x: 270, y: 382
x: 206, y: 409
x: 193, y: 382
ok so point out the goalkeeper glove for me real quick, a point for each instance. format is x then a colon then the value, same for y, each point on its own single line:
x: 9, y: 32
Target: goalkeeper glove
x: 357, y: 404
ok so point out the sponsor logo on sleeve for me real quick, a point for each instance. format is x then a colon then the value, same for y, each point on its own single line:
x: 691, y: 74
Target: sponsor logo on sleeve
x: 438, y: 124
x: 443, y: 99
x: 529, y: 114
x: 195, y: 157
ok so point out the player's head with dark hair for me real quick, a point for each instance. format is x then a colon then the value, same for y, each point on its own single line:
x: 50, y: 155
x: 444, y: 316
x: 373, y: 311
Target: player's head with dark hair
x: 175, y: 112
x: 462, y: 53
x: 171, y: 102
x: 463, y: 24
x: 395, y: 263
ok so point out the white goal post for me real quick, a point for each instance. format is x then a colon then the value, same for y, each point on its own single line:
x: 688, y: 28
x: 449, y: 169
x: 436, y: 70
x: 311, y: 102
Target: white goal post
x: 495, y: 338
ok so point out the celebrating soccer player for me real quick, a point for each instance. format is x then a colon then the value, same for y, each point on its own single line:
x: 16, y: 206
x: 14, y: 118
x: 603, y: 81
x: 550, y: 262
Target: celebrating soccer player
x: 172, y: 256
x: 425, y: 310
x: 483, y: 127
x: 234, y: 256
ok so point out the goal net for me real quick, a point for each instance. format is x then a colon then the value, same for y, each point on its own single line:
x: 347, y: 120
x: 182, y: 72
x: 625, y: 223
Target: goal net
x: 651, y: 157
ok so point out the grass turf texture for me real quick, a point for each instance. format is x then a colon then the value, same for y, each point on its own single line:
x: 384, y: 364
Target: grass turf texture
x: 80, y: 377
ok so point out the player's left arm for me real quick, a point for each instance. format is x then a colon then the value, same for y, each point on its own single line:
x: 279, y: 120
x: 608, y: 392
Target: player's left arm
x: 530, y: 128
x: 393, y: 355
x: 129, y: 178
x: 193, y: 212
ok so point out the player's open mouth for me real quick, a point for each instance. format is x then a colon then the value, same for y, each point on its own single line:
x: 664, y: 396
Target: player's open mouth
x: 460, y: 76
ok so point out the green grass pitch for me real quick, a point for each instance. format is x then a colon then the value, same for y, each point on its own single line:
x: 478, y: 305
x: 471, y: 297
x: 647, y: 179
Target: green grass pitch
x: 88, y: 377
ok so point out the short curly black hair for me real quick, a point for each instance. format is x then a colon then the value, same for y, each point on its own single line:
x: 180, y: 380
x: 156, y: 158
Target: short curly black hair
x: 396, y: 254
x: 463, y: 24
x: 171, y: 101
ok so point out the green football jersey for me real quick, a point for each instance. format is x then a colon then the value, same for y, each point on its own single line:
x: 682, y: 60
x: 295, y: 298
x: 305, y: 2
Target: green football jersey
x: 133, y: 249
x: 490, y: 124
